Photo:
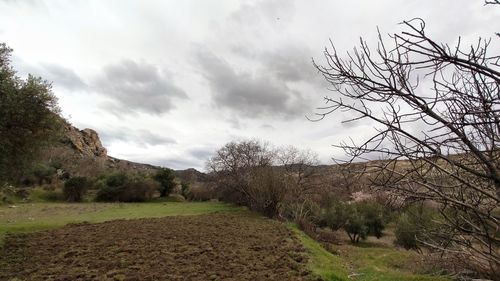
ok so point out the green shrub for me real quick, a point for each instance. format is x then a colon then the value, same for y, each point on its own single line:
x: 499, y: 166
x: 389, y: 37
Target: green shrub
x: 406, y: 232
x: 166, y: 178
x: 127, y: 188
x: 117, y: 179
x: 44, y: 194
x: 374, y: 216
x: 299, y: 210
x: 109, y: 194
x: 358, y: 219
x: 138, y: 190
x: 411, y: 224
x: 356, y: 225
x: 335, y: 216
x: 43, y: 173
x: 186, y: 191
x: 75, y: 188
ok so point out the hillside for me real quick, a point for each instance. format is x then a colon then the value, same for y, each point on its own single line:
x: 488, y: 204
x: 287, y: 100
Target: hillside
x: 81, y: 153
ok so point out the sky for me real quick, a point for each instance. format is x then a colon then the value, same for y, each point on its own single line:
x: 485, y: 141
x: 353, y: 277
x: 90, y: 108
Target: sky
x: 169, y: 82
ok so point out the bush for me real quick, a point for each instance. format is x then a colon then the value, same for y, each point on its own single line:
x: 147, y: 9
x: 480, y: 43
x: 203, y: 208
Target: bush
x: 186, y: 191
x: 46, y: 194
x: 121, y: 187
x: 108, y: 194
x: 411, y: 224
x: 75, y: 188
x: 202, y: 193
x: 266, y: 191
x: 140, y: 190
x: 43, y: 173
x: 299, y: 210
x: 335, y: 216
x: 165, y: 177
x: 374, y: 216
x: 358, y: 219
x: 406, y: 232
x: 117, y: 179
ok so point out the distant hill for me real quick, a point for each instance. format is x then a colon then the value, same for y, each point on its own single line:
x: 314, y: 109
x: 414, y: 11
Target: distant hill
x: 191, y: 175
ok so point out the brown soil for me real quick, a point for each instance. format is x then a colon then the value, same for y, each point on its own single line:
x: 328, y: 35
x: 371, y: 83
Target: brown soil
x: 207, y: 247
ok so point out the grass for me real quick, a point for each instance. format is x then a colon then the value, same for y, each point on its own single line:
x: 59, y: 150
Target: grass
x: 30, y: 217
x: 364, y: 262
x: 384, y: 263
x: 321, y: 262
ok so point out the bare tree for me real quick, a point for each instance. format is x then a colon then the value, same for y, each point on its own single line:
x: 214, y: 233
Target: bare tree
x: 272, y: 181
x: 300, y: 171
x: 235, y: 166
x: 437, y: 107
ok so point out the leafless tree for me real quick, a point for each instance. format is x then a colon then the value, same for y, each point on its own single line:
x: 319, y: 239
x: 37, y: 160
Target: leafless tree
x: 276, y: 182
x: 237, y: 166
x: 301, y: 173
x: 437, y: 108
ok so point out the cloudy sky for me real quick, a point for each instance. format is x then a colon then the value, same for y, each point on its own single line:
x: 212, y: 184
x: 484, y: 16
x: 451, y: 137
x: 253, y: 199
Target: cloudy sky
x: 169, y: 82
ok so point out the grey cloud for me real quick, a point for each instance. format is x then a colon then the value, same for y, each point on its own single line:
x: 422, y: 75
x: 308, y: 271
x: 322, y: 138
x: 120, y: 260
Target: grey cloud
x: 62, y: 76
x: 267, y: 127
x: 141, y: 137
x: 249, y: 94
x: 268, y: 11
x: 291, y: 63
x: 201, y: 153
x: 139, y: 87
x: 175, y: 163
x: 59, y: 75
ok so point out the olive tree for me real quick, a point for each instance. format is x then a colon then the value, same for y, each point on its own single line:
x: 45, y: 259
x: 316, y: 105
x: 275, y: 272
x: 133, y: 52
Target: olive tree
x: 28, y: 118
x: 166, y: 178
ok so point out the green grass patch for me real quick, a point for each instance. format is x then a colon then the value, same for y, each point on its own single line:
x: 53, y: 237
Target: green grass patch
x: 30, y: 217
x: 321, y: 262
x: 382, y: 263
x: 363, y: 262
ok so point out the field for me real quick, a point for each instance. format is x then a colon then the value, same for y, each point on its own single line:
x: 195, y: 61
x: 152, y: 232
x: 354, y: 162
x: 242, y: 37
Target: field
x: 178, y: 241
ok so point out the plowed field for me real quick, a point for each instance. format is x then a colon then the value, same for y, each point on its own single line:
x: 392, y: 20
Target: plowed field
x: 204, y: 247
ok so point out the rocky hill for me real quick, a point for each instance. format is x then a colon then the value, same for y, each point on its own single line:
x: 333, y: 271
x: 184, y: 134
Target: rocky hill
x: 81, y: 153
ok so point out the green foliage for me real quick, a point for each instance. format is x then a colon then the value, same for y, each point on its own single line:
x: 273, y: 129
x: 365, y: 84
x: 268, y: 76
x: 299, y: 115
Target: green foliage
x: 356, y: 225
x: 43, y: 173
x: 75, y: 188
x: 28, y: 118
x: 117, y: 179
x: 335, y: 216
x: 166, y: 178
x: 374, y: 216
x: 108, y: 194
x: 411, y: 224
x: 406, y: 232
x: 186, y: 190
x: 358, y: 219
x: 121, y: 187
x: 46, y: 195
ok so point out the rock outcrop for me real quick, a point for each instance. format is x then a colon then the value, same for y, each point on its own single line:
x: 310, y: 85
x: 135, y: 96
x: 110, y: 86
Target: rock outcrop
x: 81, y: 153
x: 86, y: 141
